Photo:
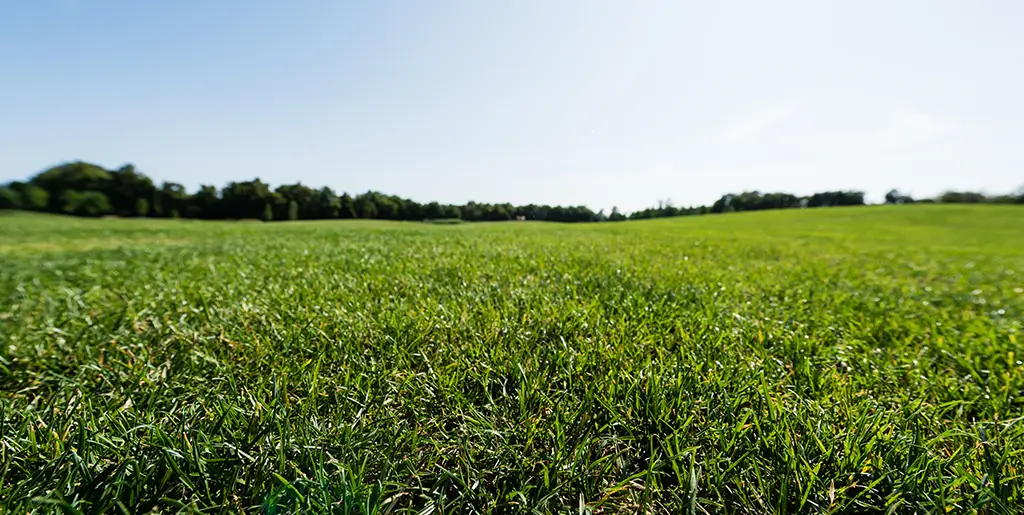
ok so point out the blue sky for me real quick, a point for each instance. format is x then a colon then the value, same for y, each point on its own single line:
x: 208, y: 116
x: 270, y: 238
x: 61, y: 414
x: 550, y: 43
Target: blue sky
x: 603, y: 103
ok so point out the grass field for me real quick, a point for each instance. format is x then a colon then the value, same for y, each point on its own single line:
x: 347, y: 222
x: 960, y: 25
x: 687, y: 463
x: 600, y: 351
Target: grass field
x: 829, y: 360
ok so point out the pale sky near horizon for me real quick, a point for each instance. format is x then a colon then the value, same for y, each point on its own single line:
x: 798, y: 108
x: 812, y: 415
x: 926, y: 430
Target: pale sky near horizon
x: 603, y: 103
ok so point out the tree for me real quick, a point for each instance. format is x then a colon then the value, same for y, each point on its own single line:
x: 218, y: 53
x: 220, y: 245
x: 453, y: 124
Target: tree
x: 268, y: 213
x: 472, y: 211
x: 387, y: 209
x: 247, y: 199
x: 79, y: 176
x: 9, y: 198
x: 205, y: 203
x: 365, y: 206
x: 125, y: 187
x: 347, y: 207
x: 895, y: 197
x: 84, y: 203
x: 325, y: 205
x: 34, y: 198
x: 433, y: 211
x: 141, y: 207
x: 293, y: 210
x: 170, y: 200
x: 497, y: 213
x: 723, y: 204
x: 836, y: 198
x: 408, y: 209
x: 962, y: 197
x: 302, y: 195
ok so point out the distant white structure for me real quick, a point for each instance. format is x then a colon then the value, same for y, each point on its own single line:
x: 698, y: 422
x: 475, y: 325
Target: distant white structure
x: 520, y: 218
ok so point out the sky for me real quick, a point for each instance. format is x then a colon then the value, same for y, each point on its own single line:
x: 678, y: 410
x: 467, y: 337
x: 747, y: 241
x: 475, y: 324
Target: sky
x: 594, y: 102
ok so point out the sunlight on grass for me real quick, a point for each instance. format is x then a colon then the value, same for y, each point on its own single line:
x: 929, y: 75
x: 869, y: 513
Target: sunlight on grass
x: 835, y: 360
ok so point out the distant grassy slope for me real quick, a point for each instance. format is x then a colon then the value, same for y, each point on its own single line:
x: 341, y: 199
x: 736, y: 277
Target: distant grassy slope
x: 826, y: 360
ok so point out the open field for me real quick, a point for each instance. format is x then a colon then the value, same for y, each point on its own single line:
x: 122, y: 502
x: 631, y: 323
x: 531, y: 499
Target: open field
x: 827, y: 360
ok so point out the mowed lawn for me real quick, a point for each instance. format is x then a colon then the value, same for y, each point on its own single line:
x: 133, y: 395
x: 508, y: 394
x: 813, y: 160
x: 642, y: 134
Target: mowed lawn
x: 825, y: 360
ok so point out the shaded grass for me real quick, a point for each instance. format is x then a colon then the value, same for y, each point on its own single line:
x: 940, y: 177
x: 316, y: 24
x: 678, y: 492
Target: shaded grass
x: 833, y: 360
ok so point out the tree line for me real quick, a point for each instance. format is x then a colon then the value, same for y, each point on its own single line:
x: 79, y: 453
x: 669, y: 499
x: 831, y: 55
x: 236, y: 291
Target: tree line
x: 85, y: 189
x: 756, y: 201
x: 956, y: 197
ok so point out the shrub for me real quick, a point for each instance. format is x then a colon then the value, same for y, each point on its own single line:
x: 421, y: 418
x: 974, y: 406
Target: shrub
x: 84, y: 203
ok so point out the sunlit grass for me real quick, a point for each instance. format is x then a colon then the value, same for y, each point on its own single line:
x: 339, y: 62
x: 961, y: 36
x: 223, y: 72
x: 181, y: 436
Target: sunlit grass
x: 830, y: 360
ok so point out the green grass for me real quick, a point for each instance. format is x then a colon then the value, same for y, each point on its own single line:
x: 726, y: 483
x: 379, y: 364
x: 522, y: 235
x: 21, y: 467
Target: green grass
x: 829, y: 360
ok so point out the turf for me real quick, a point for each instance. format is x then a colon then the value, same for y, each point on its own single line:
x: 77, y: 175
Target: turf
x: 830, y: 360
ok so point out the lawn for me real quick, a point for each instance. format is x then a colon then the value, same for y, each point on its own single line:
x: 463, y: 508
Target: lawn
x: 821, y: 360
